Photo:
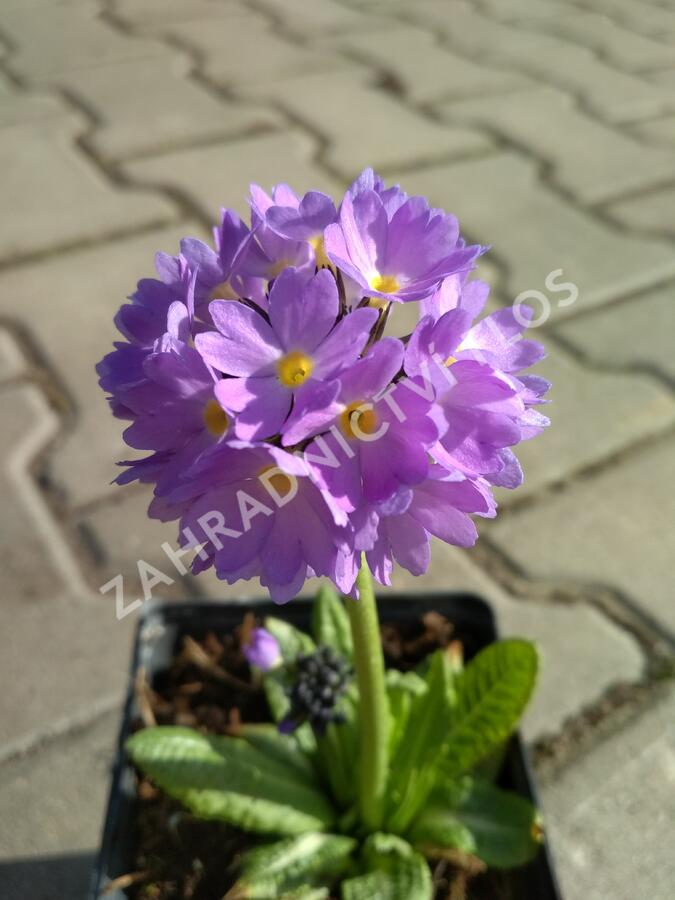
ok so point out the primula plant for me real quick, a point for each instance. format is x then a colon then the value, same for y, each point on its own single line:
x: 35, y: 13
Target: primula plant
x: 291, y: 438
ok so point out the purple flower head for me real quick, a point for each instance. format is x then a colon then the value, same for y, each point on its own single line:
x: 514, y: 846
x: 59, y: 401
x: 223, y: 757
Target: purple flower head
x: 396, y: 255
x: 262, y: 650
x: 274, y: 362
x: 282, y: 429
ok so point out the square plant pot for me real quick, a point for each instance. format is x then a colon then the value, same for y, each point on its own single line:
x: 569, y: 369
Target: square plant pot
x: 159, y: 637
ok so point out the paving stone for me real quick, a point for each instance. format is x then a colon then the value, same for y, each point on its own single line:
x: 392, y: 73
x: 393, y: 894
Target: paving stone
x: 58, y: 197
x: 258, y: 55
x: 610, y: 815
x: 70, y: 656
x: 500, y: 201
x: 615, y: 43
x: 27, y: 530
x: 66, y: 38
x: 89, y: 286
x: 638, y: 334
x: 145, y: 14
x: 365, y: 126
x: 573, y: 674
x: 645, y: 18
x: 653, y: 212
x: 522, y: 10
x: 119, y: 535
x: 220, y: 174
x: 590, y: 161
x: 614, y: 95
x: 18, y: 108
x: 658, y: 131
x: 170, y: 110
x: 614, y: 529
x: 426, y: 71
x: 593, y: 415
x: 12, y: 360
x: 53, y: 800
x: 317, y: 17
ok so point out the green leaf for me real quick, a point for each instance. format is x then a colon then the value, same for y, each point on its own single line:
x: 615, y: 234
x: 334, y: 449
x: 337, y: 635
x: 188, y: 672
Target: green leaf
x: 293, y: 868
x: 330, y: 622
x: 415, y: 763
x: 501, y: 828
x: 337, y: 756
x: 395, y: 872
x: 227, y: 778
x: 283, y: 747
x: 491, y: 695
x: 402, y: 689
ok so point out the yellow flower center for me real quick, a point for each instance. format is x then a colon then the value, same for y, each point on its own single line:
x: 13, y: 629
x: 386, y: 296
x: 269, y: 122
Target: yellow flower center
x: 316, y: 243
x: 215, y: 418
x: 223, y: 291
x: 450, y: 361
x: 278, y: 267
x: 280, y: 481
x: 295, y: 368
x: 364, y: 420
x: 385, y: 284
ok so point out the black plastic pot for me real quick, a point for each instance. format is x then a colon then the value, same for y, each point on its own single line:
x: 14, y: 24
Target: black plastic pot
x: 159, y: 636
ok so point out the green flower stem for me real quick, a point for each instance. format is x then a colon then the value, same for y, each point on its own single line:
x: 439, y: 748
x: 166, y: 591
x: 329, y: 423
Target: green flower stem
x: 373, y: 705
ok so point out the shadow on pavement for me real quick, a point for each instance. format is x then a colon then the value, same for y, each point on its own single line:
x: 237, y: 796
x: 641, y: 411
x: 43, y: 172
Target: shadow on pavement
x: 46, y: 878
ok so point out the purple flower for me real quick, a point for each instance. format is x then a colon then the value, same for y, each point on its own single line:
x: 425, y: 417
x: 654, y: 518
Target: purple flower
x: 379, y: 433
x: 281, y: 429
x: 258, y: 513
x: 275, y: 362
x: 262, y: 650
x: 400, y: 255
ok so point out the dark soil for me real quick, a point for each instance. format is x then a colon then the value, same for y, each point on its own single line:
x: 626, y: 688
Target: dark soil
x: 209, y: 686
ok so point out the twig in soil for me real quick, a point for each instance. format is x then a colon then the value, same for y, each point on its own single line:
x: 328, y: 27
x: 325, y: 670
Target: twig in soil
x: 144, y: 699
x: 125, y: 881
x: 195, y: 654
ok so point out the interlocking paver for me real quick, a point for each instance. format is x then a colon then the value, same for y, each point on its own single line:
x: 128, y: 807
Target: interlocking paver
x: 317, y: 17
x: 146, y: 14
x: 12, y: 360
x: 88, y: 287
x: 220, y: 174
x: 573, y: 674
x: 653, y: 212
x: 425, y: 70
x: 257, y: 55
x: 645, y: 18
x: 589, y: 160
x: 614, y: 529
x: 64, y: 38
x: 148, y: 106
x: 27, y: 531
x: 593, y: 415
x: 610, y: 814
x: 58, y: 197
x: 364, y: 125
x: 522, y: 10
x: 40, y: 794
x: 614, y: 95
x: 501, y: 201
x: 616, y: 44
x: 18, y: 108
x: 658, y: 131
x: 637, y: 334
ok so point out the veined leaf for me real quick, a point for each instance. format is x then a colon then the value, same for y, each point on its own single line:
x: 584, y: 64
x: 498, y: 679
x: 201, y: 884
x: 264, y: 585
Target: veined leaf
x: 415, y: 762
x: 330, y: 622
x: 226, y: 778
x: 337, y: 755
x: 491, y: 695
x: 402, y: 689
x: 283, y: 747
x: 472, y: 815
x: 395, y: 872
x: 292, y: 868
